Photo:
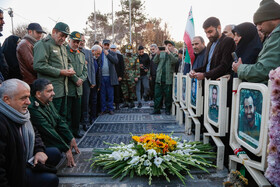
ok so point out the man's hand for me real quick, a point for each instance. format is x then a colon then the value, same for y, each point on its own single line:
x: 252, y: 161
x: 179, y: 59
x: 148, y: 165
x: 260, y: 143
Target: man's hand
x: 119, y: 79
x: 106, y: 52
x: 158, y: 51
x: 67, y: 72
x: 92, y: 86
x: 167, y: 50
x: 73, y: 144
x: 199, y: 76
x: 192, y: 73
x: 235, y: 65
x: 40, y: 157
x: 79, y: 82
x: 70, y: 159
x: 136, y: 79
x: 146, y: 70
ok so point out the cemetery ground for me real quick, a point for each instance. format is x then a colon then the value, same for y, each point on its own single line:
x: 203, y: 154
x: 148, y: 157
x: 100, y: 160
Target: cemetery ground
x: 116, y: 129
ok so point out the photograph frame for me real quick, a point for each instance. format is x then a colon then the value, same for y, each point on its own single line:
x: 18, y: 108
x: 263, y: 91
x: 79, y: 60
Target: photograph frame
x: 184, y: 92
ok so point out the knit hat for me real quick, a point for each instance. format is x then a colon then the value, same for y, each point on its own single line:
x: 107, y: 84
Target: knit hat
x: 268, y: 10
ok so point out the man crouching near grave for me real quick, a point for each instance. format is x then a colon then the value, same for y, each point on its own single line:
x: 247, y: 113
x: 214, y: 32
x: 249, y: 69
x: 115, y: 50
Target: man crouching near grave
x: 20, y: 143
x: 52, y: 127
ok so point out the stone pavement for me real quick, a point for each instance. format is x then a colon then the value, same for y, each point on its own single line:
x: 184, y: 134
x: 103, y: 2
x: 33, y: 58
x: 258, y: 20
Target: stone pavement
x: 117, y: 128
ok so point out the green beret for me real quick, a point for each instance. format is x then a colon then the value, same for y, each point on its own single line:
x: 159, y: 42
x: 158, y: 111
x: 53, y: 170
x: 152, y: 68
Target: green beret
x: 268, y: 10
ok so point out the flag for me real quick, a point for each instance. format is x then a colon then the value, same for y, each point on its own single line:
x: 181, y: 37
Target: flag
x: 188, y: 37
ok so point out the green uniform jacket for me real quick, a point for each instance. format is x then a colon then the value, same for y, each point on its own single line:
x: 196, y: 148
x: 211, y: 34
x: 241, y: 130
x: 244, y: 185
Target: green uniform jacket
x: 170, y: 61
x: 49, y: 59
x: 268, y: 59
x: 78, y: 62
x: 131, y: 68
x: 54, y: 131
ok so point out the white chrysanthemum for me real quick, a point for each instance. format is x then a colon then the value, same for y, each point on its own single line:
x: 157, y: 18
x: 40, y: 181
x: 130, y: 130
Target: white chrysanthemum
x: 147, y: 163
x: 158, y: 161
x: 134, y: 160
x: 116, y: 155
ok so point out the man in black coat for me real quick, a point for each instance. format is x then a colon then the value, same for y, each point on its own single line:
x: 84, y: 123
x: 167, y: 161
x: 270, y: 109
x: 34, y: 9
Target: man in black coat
x: 20, y: 143
x: 120, y: 71
x: 4, y: 69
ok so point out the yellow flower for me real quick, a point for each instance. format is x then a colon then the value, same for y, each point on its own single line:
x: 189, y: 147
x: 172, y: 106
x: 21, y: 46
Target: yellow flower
x: 135, y: 138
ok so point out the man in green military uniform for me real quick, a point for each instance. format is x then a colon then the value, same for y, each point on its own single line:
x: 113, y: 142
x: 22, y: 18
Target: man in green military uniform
x: 52, y: 128
x: 131, y: 75
x: 166, y: 60
x: 213, y: 107
x: 51, y: 62
x: 75, y: 83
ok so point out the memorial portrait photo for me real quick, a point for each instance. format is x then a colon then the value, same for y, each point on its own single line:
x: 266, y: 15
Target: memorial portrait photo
x: 184, y: 88
x: 175, y: 86
x: 249, y: 118
x: 193, y: 91
x: 213, y: 110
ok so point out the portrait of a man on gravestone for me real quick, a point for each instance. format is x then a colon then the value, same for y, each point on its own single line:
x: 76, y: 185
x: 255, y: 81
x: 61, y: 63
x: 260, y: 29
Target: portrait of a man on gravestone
x: 213, y: 111
x: 184, y: 89
x: 175, y: 86
x: 193, y: 92
x: 249, y: 121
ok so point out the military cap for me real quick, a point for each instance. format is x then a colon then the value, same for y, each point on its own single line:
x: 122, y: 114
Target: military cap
x: 62, y: 27
x: 106, y: 41
x: 76, y: 36
x: 169, y: 42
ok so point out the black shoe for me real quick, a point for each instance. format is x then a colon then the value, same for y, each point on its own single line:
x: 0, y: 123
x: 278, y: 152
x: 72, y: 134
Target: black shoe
x: 131, y: 105
x: 167, y: 113
x: 85, y: 127
x: 124, y: 105
x: 139, y: 105
x: 146, y: 98
x: 117, y: 107
x: 78, y: 135
x: 155, y: 112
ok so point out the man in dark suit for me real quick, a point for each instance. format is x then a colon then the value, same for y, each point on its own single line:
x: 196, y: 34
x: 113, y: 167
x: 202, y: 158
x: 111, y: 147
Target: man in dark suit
x: 218, y: 59
x: 120, y: 71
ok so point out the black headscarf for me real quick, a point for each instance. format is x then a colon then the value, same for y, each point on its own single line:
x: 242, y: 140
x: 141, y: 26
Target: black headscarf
x: 9, y: 51
x: 250, y: 44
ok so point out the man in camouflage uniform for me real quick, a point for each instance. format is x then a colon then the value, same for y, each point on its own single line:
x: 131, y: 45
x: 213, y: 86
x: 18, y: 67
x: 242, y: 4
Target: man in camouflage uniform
x: 130, y: 78
x: 51, y: 62
x: 75, y: 83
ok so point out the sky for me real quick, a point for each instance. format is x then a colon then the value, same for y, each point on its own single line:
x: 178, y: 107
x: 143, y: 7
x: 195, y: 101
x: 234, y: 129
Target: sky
x: 174, y: 13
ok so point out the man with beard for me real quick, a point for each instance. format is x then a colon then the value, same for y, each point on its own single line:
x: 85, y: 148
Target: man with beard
x: 218, y: 59
x: 249, y: 120
x: 53, y: 129
x: 214, y: 108
x: 51, y: 62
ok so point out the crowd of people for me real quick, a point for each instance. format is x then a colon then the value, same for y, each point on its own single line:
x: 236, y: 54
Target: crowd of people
x: 49, y: 87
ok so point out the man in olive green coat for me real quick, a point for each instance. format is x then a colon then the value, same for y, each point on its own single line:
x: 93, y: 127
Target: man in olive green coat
x: 53, y: 129
x: 166, y: 61
x: 51, y: 62
x: 75, y: 83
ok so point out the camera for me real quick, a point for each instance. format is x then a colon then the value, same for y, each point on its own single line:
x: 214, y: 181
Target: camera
x: 161, y: 48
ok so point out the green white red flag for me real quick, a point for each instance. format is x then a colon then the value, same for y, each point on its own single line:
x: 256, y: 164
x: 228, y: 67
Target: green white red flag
x: 188, y: 37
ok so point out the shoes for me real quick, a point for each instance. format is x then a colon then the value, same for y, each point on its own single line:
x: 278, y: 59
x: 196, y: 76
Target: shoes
x: 85, y: 127
x: 102, y: 113
x: 111, y: 112
x: 117, y: 107
x: 167, y: 113
x: 146, y: 98
x: 124, y: 105
x: 131, y: 105
x: 78, y: 135
x: 155, y: 112
x: 139, y: 105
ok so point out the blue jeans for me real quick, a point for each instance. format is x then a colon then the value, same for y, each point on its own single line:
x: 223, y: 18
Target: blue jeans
x: 106, y: 94
x: 45, y: 179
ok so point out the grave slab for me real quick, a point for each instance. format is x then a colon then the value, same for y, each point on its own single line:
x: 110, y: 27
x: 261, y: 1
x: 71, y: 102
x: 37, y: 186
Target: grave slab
x: 140, y: 118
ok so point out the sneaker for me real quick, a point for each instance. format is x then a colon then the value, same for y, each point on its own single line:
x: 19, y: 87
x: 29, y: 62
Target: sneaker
x: 139, y: 105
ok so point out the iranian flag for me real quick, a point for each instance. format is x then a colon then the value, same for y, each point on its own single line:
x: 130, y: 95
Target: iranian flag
x: 188, y: 37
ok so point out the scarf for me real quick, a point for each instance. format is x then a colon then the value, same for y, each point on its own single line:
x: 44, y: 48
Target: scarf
x: 28, y: 134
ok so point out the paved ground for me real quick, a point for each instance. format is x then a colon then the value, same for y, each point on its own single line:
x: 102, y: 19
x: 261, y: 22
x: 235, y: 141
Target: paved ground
x: 117, y: 128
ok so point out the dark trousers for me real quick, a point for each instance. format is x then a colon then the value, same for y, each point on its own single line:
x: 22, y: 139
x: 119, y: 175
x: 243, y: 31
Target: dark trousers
x: 163, y: 90
x: 74, y: 113
x: 117, y: 94
x: 106, y: 94
x: 152, y: 87
x: 61, y: 106
x: 85, y: 103
x: 93, y: 104
x: 45, y: 179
